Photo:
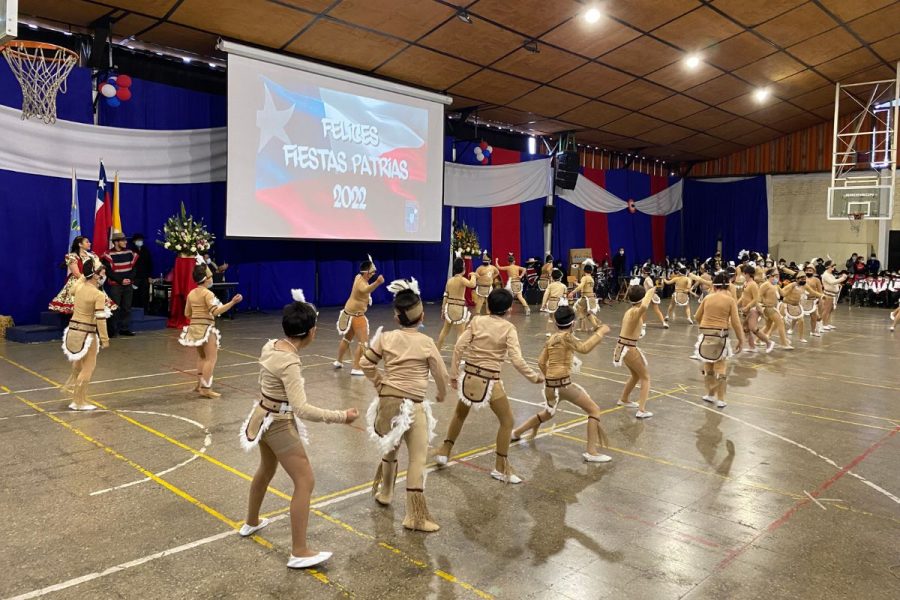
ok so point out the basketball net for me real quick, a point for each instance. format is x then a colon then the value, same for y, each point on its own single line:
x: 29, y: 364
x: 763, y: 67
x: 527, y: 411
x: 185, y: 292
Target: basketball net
x: 856, y: 220
x: 41, y: 69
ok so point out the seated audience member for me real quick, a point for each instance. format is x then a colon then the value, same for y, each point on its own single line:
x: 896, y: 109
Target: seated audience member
x: 851, y: 261
x: 878, y: 290
x: 858, y: 292
x: 894, y: 290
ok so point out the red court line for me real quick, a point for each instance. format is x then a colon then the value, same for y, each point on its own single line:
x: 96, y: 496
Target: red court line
x: 775, y: 525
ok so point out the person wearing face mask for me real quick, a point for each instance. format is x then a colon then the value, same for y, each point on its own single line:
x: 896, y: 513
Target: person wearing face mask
x: 812, y: 302
x: 119, y: 263
x: 832, y: 287
x: 143, y: 271
x: 86, y: 333
x: 202, y: 307
x: 794, y: 293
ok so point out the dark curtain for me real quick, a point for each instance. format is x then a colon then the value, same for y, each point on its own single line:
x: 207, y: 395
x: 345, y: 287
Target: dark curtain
x: 735, y: 212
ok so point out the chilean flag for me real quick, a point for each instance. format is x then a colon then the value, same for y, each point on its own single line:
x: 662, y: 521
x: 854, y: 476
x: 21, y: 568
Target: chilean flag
x: 102, y: 216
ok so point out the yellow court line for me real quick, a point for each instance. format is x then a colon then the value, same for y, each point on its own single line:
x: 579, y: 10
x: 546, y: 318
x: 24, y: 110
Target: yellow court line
x: 843, y: 421
x: 275, y: 491
x: 802, y: 373
x: 162, y: 482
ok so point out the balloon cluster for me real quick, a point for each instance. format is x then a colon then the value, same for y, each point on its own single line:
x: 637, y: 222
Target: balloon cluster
x: 483, y: 152
x: 116, y: 89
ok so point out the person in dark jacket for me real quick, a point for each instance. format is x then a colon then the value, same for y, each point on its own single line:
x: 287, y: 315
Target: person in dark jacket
x: 873, y: 267
x: 618, y: 266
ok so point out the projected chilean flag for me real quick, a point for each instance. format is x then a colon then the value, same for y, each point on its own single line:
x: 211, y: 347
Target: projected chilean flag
x: 338, y: 165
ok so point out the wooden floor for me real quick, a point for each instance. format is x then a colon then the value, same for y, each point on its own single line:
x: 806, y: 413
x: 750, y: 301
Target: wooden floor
x: 789, y: 492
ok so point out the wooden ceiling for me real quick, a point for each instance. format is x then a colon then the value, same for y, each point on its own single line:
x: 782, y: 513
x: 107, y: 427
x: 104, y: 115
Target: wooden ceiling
x: 621, y: 82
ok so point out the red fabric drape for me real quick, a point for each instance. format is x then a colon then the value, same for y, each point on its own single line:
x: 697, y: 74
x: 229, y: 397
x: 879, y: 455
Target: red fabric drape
x: 505, y: 220
x: 658, y: 223
x: 596, y: 225
x: 182, y: 284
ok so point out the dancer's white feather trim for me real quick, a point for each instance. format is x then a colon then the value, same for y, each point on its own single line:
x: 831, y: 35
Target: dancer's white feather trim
x: 298, y: 295
x: 199, y: 260
x: 588, y: 262
x: 635, y: 281
x: 398, y: 285
x: 369, y: 256
x: 458, y: 254
x: 376, y: 337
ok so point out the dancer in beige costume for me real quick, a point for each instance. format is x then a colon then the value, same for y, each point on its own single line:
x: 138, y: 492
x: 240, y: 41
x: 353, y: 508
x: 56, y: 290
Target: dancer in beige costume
x: 352, y: 322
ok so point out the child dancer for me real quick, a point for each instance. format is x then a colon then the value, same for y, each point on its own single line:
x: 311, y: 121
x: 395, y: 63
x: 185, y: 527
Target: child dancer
x: 274, y: 426
x: 587, y: 306
x: 485, y: 344
x: 716, y: 314
x: 202, y: 307
x: 484, y: 281
x: 454, y: 312
x: 650, y: 286
x: 627, y: 352
x: 352, y: 322
x: 555, y: 363
x: 681, y: 297
x: 515, y: 274
x: 400, y: 412
x: 554, y: 297
x: 86, y: 333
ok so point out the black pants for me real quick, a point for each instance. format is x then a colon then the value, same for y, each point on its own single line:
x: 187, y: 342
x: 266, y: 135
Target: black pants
x: 121, y: 319
x: 142, y: 293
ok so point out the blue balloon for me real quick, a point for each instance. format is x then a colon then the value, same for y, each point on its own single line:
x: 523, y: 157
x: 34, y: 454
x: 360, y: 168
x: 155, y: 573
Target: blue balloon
x: 111, y: 80
x: 113, y: 102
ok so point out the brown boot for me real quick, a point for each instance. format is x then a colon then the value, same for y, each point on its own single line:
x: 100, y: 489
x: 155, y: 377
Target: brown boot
x: 417, y: 516
x: 383, y: 485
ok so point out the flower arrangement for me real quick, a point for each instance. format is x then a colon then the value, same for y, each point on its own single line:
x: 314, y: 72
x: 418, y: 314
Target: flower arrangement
x: 184, y: 235
x: 465, y: 240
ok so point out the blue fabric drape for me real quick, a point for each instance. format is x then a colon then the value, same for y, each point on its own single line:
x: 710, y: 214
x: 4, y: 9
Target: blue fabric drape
x: 159, y: 106
x: 531, y: 216
x: 736, y: 212
x: 74, y: 105
x: 568, y: 229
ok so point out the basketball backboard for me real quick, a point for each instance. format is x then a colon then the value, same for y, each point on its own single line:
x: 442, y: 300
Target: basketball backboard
x: 9, y: 20
x: 864, y: 155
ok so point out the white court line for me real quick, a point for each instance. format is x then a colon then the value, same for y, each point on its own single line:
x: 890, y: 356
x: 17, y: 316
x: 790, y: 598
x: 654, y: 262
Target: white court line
x: 872, y: 485
x: 819, y: 504
x: 173, y: 372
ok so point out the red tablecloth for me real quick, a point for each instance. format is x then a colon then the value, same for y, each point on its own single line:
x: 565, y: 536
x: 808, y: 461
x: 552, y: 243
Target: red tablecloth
x: 182, y: 284
x: 468, y: 261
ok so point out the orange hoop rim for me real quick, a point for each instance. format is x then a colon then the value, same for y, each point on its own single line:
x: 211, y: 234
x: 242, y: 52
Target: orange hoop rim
x: 855, y: 216
x: 20, y: 47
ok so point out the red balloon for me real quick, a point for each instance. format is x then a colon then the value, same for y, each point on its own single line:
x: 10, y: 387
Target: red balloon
x: 484, y: 160
x: 483, y: 145
x: 123, y: 81
x: 124, y: 94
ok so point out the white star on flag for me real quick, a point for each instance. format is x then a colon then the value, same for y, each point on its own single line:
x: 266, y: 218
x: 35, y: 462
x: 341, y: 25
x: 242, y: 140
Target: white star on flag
x: 271, y: 122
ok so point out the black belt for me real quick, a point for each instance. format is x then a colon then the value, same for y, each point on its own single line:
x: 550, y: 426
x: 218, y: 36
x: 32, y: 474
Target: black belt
x: 627, y: 342
x: 558, y: 383
x: 91, y: 327
x: 481, y: 372
x: 271, y: 405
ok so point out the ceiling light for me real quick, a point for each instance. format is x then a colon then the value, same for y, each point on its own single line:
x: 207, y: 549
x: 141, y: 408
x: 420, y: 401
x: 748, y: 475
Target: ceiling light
x: 32, y: 26
x: 692, y: 61
x: 592, y: 15
x: 212, y: 65
x: 186, y: 60
x: 761, y: 95
x: 532, y: 46
x: 463, y: 15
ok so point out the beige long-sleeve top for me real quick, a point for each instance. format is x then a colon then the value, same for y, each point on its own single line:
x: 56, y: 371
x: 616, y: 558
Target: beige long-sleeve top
x: 485, y: 274
x: 792, y: 293
x: 719, y: 311
x: 201, y: 303
x: 358, y: 302
x: 281, y: 378
x: 486, y: 342
x: 585, y: 286
x: 456, y: 286
x: 832, y: 284
x: 555, y: 360
x: 409, y: 356
x: 750, y: 297
x: 814, y: 287
x: 90, y: 307
x: 555, y: 290
x: 768, y: 295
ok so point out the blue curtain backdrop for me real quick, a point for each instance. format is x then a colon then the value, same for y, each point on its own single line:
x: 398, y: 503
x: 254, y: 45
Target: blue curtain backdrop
x: 735, y: 212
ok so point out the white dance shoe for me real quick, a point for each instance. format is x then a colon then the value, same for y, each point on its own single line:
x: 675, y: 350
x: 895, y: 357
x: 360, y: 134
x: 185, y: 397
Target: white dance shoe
x: 356, y: 372
x: 770, y: 346
x: 441, y: 460
x: 721, y: 404
x: 248, y: 530
x: 513, y: 478
x: 296, y: 562
x: 709, y: 398
x: 85, y: 408
x: 596, y: 458
x: 627, y: 404
x: 643, y: 414
x: 337, y: 364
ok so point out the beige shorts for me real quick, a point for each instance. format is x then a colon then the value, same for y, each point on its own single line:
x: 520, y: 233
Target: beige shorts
x: 282, y: 436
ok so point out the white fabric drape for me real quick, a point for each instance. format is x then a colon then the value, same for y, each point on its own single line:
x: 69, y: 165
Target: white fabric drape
x: 141, y: 156
x: 590, y: 196
x: 479, y: 187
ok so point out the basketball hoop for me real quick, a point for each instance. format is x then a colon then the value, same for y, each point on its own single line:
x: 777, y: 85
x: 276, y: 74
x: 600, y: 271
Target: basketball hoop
x: 41, y: 70
x: 855, y: 221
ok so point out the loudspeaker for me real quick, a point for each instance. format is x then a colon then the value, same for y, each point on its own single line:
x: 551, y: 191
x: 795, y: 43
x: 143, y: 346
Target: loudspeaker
x: 100, y: 47
x: 549, y: 214
x: 567, y: 165
x: 893, y: 257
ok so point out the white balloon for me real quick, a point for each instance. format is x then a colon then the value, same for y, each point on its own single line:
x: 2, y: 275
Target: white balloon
x: 490, y: 148
x: 108, y: 90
